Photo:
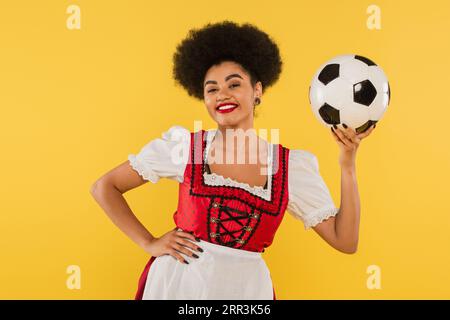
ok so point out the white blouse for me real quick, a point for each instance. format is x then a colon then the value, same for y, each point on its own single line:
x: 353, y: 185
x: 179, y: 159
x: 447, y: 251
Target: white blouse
x: 309, y: 197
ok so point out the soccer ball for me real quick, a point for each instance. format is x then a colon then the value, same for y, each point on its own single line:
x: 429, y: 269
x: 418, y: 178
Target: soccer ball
x: 349, y: 89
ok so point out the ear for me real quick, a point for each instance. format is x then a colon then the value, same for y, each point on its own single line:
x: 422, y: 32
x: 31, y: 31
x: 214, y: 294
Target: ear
x: 258, y: 89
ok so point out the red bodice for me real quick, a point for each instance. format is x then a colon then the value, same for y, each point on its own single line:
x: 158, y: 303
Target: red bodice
x: 229, y: 215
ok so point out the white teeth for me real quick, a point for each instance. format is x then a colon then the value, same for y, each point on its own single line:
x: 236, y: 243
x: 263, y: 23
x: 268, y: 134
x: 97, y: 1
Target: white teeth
x: 228, y: 106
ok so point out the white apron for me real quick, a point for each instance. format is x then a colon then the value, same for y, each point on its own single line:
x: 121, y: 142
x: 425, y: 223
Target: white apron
x: 220, y: 272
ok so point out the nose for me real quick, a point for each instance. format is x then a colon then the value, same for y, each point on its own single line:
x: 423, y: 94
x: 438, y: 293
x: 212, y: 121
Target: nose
x: 222, y: 93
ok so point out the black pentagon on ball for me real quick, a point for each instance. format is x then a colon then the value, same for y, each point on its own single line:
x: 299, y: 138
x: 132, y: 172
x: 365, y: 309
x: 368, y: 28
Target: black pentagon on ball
x: 365, y: 60
x: 329, y: 73
x: 365, y: 126
x: 364, y: 92
x: 329, y: 114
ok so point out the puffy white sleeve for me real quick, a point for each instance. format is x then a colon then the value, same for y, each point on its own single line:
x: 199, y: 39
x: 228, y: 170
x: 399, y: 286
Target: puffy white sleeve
x: 164, y: 157
x: 309, y: 197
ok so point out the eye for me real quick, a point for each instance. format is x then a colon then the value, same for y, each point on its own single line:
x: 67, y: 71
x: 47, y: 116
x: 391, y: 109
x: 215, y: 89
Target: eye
x: 231, y: 86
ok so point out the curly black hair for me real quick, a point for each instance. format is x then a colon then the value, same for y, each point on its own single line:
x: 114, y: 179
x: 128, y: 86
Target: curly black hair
x: 246, y: 45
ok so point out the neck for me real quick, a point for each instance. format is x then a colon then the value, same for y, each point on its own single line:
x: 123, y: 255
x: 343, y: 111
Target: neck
x: 241, y: 129
x: 243, y: 125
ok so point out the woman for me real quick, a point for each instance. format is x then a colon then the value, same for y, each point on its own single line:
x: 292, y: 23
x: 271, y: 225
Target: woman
x: 228, y: 213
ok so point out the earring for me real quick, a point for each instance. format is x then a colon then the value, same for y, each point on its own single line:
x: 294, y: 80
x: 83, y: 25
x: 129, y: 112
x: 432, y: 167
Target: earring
x: 257, y: 101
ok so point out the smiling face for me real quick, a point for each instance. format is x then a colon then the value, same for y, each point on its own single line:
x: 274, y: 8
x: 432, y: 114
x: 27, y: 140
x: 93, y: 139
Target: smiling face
x: 225, y: 84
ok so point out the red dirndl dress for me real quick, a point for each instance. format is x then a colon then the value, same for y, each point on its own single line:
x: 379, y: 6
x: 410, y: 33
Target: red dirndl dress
x: 226, y: 217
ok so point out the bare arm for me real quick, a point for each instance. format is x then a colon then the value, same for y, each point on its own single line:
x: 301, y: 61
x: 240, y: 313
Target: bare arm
x: 108, y: 192
x: 342, y: 231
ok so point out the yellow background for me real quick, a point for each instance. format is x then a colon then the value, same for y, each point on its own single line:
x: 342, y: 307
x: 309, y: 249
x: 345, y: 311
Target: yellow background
x: 75, y: 103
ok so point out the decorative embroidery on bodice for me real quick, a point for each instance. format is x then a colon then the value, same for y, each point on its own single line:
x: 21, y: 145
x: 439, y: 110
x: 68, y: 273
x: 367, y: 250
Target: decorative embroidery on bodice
x: 228, y: 212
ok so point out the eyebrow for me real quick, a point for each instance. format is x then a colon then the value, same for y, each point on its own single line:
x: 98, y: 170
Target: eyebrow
x: 226, y: 79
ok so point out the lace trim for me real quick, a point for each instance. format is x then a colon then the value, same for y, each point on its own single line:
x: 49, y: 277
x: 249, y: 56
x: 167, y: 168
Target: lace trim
x: 141, y: 170
x: 320, y: 216
x: 214, y: 179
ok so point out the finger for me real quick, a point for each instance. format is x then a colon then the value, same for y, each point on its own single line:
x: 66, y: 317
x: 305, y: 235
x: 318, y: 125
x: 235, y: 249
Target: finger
x: 338, y: 140
x: 184, y: 250
x: 350, y: 139
x: 349, y: 132
x: 177, y: 256
x: 189, y: 244
x: 367, y: 132
x: 341, y: 136
x: 354, y: 139
x: 187, y: 235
